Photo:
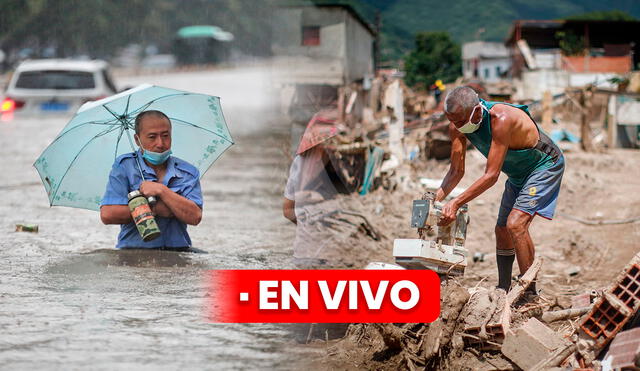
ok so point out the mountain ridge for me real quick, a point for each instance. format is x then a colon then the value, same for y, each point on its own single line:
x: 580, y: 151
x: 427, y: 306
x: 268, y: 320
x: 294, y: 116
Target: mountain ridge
x: 468, y: 20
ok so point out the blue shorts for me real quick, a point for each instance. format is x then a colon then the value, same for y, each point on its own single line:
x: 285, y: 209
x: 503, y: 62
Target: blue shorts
x: 538, y: 195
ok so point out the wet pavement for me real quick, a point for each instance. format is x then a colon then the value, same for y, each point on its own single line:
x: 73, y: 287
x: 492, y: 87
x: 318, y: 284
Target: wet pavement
x: 69, y: 300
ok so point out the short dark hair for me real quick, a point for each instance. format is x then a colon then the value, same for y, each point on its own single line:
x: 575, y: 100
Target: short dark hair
x: 150, y: 113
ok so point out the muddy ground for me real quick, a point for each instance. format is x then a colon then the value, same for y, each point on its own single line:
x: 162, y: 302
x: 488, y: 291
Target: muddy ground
x: 596, y: 187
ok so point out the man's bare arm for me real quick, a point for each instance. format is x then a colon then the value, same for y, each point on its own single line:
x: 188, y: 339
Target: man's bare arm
x: 182, y: 208
x: 161, y: 209
x: 115, y: 214
x: 120, y: 214
x: 456, y: 169
x: 501, y: 136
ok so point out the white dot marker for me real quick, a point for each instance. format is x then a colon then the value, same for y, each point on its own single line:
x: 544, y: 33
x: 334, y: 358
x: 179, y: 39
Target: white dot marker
x: 244, y: 296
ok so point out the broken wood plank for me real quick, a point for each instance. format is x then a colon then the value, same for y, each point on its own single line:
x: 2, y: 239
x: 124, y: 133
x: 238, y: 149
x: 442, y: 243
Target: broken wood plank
x: 524, y: 281
x: 547, y: 111
x: 558, y: 315
x: 585, y: 126
x: 612, y: 123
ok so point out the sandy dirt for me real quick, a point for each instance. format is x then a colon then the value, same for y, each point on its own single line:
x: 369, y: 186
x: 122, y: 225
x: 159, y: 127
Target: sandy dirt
x: 596, y: 187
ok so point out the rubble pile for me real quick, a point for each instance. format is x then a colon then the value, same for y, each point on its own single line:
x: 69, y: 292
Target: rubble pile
x: 487, y: 329
x: 583, y: 309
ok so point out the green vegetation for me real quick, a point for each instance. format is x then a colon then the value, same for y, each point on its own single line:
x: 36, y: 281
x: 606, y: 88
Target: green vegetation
x: 602, y: 15
x: 570, y: 43
x: 98, y: 27
x: 435, y: 57
x: 468, y: 20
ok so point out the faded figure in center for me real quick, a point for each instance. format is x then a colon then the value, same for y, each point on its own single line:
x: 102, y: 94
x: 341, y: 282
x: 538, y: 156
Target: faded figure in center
x: 310, y: 195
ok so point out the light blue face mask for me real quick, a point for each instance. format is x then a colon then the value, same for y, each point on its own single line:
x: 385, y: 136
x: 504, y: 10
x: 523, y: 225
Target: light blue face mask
x: 156, y: 158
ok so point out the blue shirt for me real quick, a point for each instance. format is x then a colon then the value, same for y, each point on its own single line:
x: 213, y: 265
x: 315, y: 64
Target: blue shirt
x: 181, y: 177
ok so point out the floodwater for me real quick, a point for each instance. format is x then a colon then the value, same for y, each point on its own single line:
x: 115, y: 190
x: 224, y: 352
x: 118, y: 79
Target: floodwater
x: 69, y: 300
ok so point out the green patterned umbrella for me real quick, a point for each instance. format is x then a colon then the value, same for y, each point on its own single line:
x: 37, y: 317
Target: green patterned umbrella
x: 75, y: 167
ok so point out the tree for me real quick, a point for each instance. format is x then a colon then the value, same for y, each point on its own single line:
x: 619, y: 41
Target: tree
x: 603, y: 15
x: 99, y: 27
x: 436, y: 56
x: 570, y: 43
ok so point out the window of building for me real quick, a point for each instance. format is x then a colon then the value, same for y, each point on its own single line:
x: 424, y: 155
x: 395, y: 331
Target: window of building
x: 498, y: 72
x: 486, y: 73
x: 311, y: 35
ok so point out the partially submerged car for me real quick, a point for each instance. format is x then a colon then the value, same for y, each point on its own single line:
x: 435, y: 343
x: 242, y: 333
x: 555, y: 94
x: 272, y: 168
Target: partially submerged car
x: 56, y: 86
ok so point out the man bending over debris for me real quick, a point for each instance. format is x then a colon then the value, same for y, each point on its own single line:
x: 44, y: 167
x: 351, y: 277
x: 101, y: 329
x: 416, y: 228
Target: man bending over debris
x: 512, y: 142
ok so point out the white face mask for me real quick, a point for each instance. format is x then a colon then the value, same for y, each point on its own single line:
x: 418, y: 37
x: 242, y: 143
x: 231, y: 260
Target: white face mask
x: 470, y: 127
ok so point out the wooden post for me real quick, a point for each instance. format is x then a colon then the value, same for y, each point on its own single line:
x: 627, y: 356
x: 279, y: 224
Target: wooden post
x: 374, y: 95
x: 394, y: 100
x: 547, y: 111
x: 585, y: 128
x: 341, y: 115
x: 612, y: 122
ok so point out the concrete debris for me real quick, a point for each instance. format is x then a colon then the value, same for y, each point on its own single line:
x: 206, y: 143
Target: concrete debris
x: 478, y: 324
x: 615, y: 308
x: 625, y: 350
x: 486, y: 319
x: 491, y: 327
x: 555, y: 359
x: 581, y: 301
x: 530, y: 343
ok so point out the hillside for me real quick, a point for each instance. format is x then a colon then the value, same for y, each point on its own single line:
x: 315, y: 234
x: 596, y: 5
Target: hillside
x: 99, y: 28
x: 465, y: 19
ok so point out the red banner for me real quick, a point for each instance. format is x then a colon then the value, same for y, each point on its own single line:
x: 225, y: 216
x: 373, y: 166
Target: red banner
x: 324, y: 296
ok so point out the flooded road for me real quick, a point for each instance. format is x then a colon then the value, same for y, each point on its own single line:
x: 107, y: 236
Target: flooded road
x: 69, y: 300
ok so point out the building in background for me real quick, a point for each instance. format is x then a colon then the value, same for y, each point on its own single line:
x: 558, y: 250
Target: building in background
x: 323, y: 58
x: 555, y: 54
x: 322, y: 43
x: 488, y: 61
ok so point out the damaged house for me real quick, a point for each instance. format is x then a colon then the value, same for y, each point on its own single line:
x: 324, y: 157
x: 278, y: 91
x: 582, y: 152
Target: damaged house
x: 488, y: 61
x: 557, y: 54
x: 323, y: 60
x: 318, y: 48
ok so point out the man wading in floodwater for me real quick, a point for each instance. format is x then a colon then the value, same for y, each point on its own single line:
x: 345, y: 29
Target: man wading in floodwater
x: 512, y: 142
x: 174, y: 182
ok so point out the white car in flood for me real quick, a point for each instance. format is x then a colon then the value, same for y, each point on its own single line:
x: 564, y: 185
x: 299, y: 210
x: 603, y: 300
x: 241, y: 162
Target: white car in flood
x: 55, y: 86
